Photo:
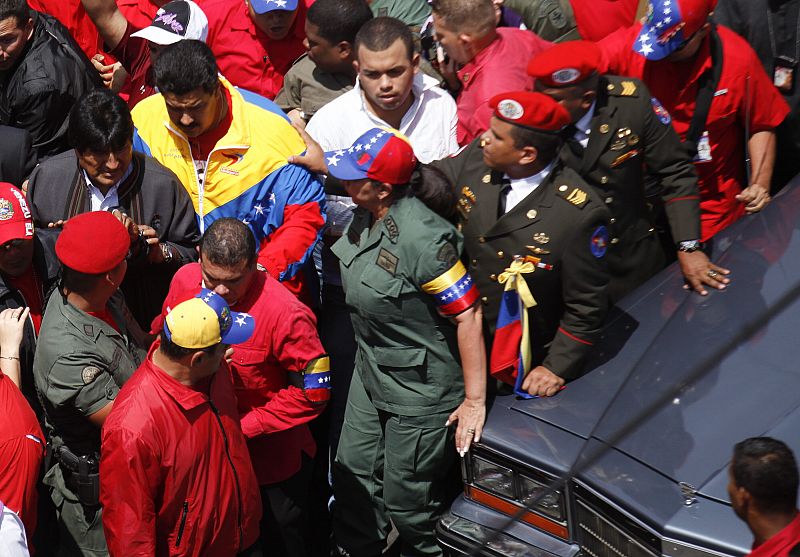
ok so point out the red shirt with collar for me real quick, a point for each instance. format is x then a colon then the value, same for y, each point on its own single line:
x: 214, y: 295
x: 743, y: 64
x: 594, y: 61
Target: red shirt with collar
x: 134, y: 54
x: 274, y: 413
x: 245, y: 55
x: 599, y: 18
x: 500, y: 67
x: 21, y: 452
x: 781, y: 543
x: 674, y: 84
x: 175, y: 475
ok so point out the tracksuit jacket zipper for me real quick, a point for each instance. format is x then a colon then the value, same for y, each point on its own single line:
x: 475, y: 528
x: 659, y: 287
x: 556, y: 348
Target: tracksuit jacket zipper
x: 235, y: 474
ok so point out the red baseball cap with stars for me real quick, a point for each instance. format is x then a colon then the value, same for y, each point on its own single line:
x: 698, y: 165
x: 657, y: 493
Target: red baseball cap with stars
x: 670, y: 24
x: 535, y: 111
x: 381, y: 154
x: 565, y: 64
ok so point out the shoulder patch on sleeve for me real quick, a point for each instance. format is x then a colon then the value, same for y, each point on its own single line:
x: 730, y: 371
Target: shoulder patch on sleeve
x: 599, y: 242
x: 574, y: 195
x: 661, y: 112
x: 447, y: 254
x: 90, y: 373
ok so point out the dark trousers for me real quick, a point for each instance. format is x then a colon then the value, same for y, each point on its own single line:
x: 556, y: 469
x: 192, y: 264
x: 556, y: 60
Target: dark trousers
x: 284, y: 525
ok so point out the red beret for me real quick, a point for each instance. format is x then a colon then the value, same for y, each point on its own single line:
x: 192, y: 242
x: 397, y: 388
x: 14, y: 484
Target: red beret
x: 565, y: 64
x: 530, y: 110
x: 93, y: 243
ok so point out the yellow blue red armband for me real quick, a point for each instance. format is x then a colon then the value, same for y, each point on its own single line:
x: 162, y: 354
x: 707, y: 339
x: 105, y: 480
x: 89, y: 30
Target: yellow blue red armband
x: 317, y: 379
x: 453, y: 290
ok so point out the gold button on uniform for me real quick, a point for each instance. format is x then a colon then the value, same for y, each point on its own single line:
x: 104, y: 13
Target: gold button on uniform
x: 493, y: 278
x: 531, y: 214
x: 562, y: 188
x: 500, y: 254
x: 485, y: 300
x: 604, y: 128
x: 486, y: 179
x: 604, y: 180
x: 609, y: 200
x: 615, y: 240
x: 474, y: 262
x: 612, y: 220
x: 481, y: 240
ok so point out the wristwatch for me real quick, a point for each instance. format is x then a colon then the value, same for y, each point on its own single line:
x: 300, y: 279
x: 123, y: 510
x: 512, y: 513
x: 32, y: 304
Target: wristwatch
x: 689, y: 246
x: 167, y: 253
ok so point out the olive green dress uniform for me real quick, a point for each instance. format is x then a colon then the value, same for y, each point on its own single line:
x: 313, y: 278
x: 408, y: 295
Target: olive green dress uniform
x: 307, y: 88
x: 562, y: 222
x: 632, y: 140
x: 395, y: 449
x: 80, y: 364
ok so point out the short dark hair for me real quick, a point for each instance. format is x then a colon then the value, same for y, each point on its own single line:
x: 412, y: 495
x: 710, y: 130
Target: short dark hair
x: 547, y: 144
x: 228, y: 242
x: 185, y: 66
x: 432, y: 186
x: 101, y: 122
x: 380, y: 33
x: 15, y: 8
x: 80, y: 283
x: 466, y: 15
x: 175, y: 352
x: 767, y: 469
x: 339, y: 20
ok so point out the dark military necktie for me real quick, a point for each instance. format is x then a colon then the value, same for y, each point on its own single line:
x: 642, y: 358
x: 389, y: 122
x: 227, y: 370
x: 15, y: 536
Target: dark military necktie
x: 505, y: 188
x: 573, y: 144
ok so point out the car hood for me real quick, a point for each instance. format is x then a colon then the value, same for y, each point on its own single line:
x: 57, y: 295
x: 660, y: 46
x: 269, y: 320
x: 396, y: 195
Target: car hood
x: 701, y: 372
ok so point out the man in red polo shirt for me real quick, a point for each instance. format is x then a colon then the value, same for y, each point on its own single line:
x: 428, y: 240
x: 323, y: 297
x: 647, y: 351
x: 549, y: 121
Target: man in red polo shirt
x: 673, y: 54
x: 281, y: 375
x: 762, y: 487
x: 492, y: 60
x: 256, y: 41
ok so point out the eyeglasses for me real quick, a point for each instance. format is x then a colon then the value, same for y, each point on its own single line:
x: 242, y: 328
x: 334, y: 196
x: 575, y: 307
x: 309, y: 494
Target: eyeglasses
x: 13, y: 244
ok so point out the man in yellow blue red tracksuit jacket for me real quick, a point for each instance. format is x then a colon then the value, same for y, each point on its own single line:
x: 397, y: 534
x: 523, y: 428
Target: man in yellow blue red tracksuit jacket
x: 229, y: 148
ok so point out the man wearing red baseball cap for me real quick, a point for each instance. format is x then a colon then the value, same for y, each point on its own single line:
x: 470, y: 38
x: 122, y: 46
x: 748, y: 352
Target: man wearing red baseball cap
x: 622, y: 141
x: 516, y: 198
x: 721, y: 102
x: 89, y: 345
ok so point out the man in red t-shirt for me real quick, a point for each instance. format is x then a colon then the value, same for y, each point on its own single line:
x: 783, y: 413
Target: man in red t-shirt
x: 137, y: 48
x: 671, y: 53
x: 28, y: 268
x: 256, y: 42
x: 762, y: 486
x: 491, y: 60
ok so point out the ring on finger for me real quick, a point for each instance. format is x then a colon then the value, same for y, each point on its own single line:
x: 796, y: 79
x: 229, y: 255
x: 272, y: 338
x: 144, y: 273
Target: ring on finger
x: 713, y: 274
x: 471, y: 430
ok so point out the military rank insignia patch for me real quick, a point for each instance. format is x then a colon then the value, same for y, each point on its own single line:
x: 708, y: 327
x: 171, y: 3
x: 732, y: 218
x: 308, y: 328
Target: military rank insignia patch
x: 577, y: 197
x: 599, y: 242
x: 387, y: 261
x: 661, y: 112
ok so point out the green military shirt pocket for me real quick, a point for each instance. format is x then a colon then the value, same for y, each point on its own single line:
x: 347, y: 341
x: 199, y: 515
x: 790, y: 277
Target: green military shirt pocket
x: 380, y: 293
x: 403, y: 375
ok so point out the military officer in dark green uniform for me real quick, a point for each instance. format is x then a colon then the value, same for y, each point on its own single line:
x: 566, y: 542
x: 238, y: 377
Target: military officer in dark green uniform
x: 84, y: 355
x: 417, y: 323
x: 516, y: 200
x: 622, y: 137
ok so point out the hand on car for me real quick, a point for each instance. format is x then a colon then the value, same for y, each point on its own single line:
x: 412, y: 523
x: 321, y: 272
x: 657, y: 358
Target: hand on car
x: 755, y: 197
x: 698, y: 271
x: 542, y: 382
x: 470, y: 415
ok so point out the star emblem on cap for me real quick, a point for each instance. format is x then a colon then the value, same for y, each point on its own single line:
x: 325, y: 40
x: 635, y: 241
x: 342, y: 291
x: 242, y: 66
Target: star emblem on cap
x: 258, y: 209
x: 646, y: 49
x: 333, y: 161
x: 241, y: 320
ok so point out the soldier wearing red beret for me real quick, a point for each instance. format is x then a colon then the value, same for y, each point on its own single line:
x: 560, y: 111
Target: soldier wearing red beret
x: 89, y: 345
x: 517, y: 199
x: 621, y: 141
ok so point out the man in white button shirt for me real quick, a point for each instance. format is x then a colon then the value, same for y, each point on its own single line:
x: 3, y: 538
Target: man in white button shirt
x: 389, y: 92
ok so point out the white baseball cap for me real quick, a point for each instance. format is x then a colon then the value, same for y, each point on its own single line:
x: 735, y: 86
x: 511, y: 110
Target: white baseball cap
x: 175, y: 21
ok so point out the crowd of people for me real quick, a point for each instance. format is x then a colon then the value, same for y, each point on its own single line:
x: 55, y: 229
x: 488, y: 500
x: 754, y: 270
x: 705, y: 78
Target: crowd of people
x: 264, y: 262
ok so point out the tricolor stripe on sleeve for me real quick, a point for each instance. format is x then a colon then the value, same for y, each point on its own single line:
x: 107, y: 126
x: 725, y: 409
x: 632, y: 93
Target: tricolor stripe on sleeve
x: 317, y: 379
x: 454, y: 290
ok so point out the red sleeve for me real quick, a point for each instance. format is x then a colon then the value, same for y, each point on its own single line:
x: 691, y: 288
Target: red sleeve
x: 297, y: 347
x: 129, y: 472
x: 617, y: 52
x: 292, y: 240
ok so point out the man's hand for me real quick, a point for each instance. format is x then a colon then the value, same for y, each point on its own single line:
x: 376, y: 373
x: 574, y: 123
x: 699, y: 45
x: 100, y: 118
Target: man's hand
x: 150, y: 236
x: 127, y: 222
x: 295, y: 116
x: 113, y: 75
x: 755, y: 198
x: 542, y: 382
x: 699, y: 271
x: 314, y: 158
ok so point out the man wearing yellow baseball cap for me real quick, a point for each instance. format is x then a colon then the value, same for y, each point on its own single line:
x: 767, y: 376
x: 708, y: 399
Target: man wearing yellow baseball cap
x: 173, y: 453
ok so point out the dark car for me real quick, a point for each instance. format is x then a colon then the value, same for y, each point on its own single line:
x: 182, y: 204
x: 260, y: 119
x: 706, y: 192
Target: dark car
x: 644, y: 438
